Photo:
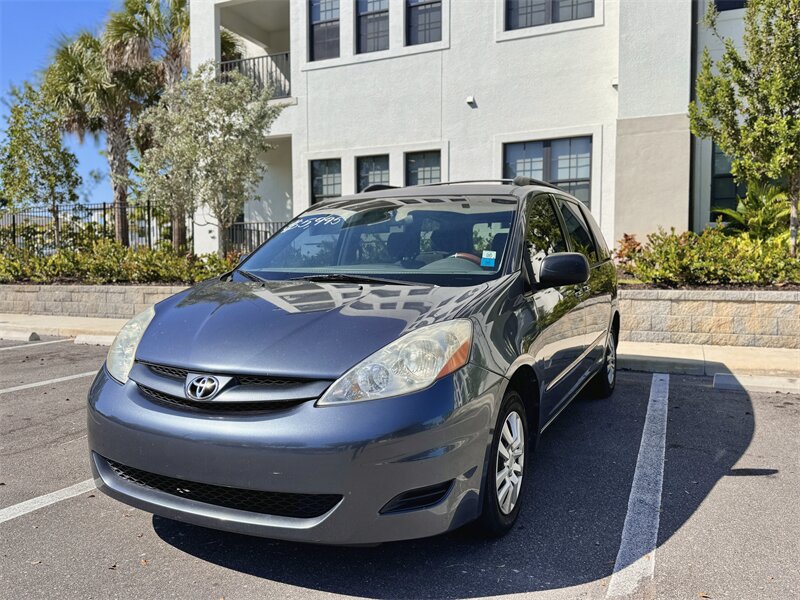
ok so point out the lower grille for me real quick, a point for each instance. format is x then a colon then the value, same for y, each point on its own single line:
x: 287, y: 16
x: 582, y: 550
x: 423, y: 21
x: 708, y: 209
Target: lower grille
x: 418, y: 498
x: 301, y: 506
x: 216, y: 407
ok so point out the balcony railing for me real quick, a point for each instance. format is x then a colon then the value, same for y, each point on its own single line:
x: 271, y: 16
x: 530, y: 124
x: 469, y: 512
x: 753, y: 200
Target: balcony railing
x: 266, y: 71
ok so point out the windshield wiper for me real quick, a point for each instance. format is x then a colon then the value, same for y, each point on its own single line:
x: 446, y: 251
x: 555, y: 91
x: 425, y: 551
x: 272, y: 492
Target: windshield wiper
x: 348, y: 278
x: 249, y: 275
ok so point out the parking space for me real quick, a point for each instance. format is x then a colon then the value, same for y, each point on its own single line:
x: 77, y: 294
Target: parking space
x: 729, y: 521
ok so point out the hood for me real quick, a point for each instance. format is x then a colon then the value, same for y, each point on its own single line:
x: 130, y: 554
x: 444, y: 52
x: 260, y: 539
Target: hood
x: 298, y: 329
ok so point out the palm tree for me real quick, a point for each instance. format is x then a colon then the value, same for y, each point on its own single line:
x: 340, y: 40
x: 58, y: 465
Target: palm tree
x: 156, y: 32
x: 89, y: 99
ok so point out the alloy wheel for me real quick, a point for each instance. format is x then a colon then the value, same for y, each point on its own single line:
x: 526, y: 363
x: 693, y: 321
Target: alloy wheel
x: 611, y: 359
x: 510, y: 462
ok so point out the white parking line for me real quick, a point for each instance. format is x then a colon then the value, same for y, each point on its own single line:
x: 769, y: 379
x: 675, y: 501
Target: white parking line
x: 27, y: 386
x: 23, y: 508
x: 35, y: 344
x: 636, y: 558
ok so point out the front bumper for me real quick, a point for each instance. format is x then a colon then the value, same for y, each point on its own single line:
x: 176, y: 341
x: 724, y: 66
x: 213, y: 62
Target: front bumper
x: 367, y: 452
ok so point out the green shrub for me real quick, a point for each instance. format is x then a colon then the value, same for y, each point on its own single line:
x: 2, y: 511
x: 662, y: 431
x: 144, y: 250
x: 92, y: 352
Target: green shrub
x: 713, y: 258
x: 106, y: 261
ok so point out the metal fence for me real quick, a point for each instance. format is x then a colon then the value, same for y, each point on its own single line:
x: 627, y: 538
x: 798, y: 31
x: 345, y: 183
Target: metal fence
x: 266, y: 71
x: 42, y: 230
x: 246, y: 237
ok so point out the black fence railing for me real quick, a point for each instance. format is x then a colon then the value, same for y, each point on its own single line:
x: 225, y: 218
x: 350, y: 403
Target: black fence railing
x: 266, y: 71
x: 43, y: 230
x: 246, y: 237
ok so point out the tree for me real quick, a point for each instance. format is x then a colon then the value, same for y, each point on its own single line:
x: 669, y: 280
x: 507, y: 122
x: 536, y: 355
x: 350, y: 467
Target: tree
x: 207, y: 143
x: 749, y: 102
x: 89, y: 99
x: 35, y: 166
x: 156, y: 32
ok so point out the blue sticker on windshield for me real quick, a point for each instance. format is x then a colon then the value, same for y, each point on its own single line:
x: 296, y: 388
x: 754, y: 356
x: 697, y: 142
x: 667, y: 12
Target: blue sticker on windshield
x: 488, y: 258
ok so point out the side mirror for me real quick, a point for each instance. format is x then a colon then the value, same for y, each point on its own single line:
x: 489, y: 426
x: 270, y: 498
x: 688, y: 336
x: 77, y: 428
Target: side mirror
x: 242, y: 257
x: 563, y: 268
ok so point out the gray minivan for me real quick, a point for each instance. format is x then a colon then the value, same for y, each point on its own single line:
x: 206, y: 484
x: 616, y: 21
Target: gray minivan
x: 380, y: 369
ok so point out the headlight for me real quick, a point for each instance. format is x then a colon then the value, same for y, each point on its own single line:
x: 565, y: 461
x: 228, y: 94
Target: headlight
x: 123, y: 348
x: 411, y: 363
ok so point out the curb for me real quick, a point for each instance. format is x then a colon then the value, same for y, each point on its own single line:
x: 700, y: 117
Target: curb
x: 755, y: 383
x: 18, y: 334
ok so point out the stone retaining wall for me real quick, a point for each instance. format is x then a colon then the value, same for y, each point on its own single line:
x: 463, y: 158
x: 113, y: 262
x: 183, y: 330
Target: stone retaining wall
x: 118, y: 301
x: 769, y: 319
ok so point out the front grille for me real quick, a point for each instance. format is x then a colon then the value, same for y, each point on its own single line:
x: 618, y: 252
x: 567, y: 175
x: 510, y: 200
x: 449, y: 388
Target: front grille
x: 301, y: 506
x: 260, y: 380
x: 211, y: 406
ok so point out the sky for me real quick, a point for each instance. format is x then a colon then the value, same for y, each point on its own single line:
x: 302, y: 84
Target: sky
x: 29, y: 31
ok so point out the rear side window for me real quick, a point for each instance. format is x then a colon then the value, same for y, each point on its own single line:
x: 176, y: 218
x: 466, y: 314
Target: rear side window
x: 578, y: 230
x: 543, y: 231
x: 600, y: 241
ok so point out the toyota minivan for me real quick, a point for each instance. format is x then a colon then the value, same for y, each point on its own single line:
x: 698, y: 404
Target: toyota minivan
x: 380, y: 369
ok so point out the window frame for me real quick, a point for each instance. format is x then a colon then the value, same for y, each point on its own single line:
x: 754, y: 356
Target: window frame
x: 407, y: 173
x: 410, y: 7
x: 547, y: 161
x: 549, y: 11
x: 726, y: 5
x: 313, y: 199
x: 359, y: 16
x: 388, y: 158
x: 325, y: 22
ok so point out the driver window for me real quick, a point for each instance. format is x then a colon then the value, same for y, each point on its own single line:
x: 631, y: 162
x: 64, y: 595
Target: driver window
x: 544, y: 235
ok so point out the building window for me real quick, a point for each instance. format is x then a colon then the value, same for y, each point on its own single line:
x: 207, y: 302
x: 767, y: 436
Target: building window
x: 372, y: 25
x: 423, y: 168
x: 725, y: 192
x: 723, y: 5
x: 565, y: 162
x: 323, y: 29
x: 326, y: 179
x: 373, y: 170
x: 423, y: 21
x: 530, y: 13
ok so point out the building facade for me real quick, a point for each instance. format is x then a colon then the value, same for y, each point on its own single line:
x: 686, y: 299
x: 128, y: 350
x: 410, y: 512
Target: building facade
x: 589, y: 94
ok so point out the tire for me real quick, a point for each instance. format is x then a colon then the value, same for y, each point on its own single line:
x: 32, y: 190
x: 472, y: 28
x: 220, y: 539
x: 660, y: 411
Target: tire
x: 605, y: 380
x: 501, y: 505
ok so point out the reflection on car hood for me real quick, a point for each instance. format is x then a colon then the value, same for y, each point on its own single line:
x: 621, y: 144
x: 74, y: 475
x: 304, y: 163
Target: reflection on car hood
x: 291, y: 328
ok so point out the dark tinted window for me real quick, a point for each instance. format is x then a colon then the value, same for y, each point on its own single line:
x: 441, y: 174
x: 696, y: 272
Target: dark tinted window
x: 565, y: 162
x: 373, y: 170
x: 543, y: 231
x: 530, y: 13
x: 323, y: 29
x: 326, y: 179
x: 423, y: 168
x: 372, y: 25
x: 729, y: 4
x: 578, y: 230
x: 423, y: 21
x: 725, y: 192
x: 602, y: 249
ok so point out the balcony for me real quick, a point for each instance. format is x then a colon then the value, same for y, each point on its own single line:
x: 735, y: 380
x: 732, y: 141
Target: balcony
x: 272, y: 70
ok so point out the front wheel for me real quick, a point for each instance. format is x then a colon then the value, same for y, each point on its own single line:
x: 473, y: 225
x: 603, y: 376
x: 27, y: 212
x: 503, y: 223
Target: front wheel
x: 606, y: 379
x: 502, y: 490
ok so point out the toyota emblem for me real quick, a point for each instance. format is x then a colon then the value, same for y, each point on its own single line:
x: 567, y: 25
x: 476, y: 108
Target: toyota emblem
x: 202, y: 387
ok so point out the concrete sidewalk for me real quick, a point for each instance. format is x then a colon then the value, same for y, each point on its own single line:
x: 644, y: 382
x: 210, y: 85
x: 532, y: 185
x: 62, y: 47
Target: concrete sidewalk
x: 686, y: 359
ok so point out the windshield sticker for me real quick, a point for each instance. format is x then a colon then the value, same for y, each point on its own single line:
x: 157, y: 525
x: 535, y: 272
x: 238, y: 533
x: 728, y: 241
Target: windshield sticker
x: 306, y: 222
x: 488, y: 258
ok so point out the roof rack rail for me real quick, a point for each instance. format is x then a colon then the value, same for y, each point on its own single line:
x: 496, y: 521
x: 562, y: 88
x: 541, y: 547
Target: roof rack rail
x: 503, y: 181
x: 521, y: 180
x: 376, y: 187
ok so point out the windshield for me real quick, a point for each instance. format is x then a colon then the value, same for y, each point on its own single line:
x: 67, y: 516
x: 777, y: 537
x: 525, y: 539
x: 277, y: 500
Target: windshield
x: 440, y: 241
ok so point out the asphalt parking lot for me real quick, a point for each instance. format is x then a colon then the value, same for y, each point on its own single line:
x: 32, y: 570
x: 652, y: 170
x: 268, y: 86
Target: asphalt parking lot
x: 729, y: 523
